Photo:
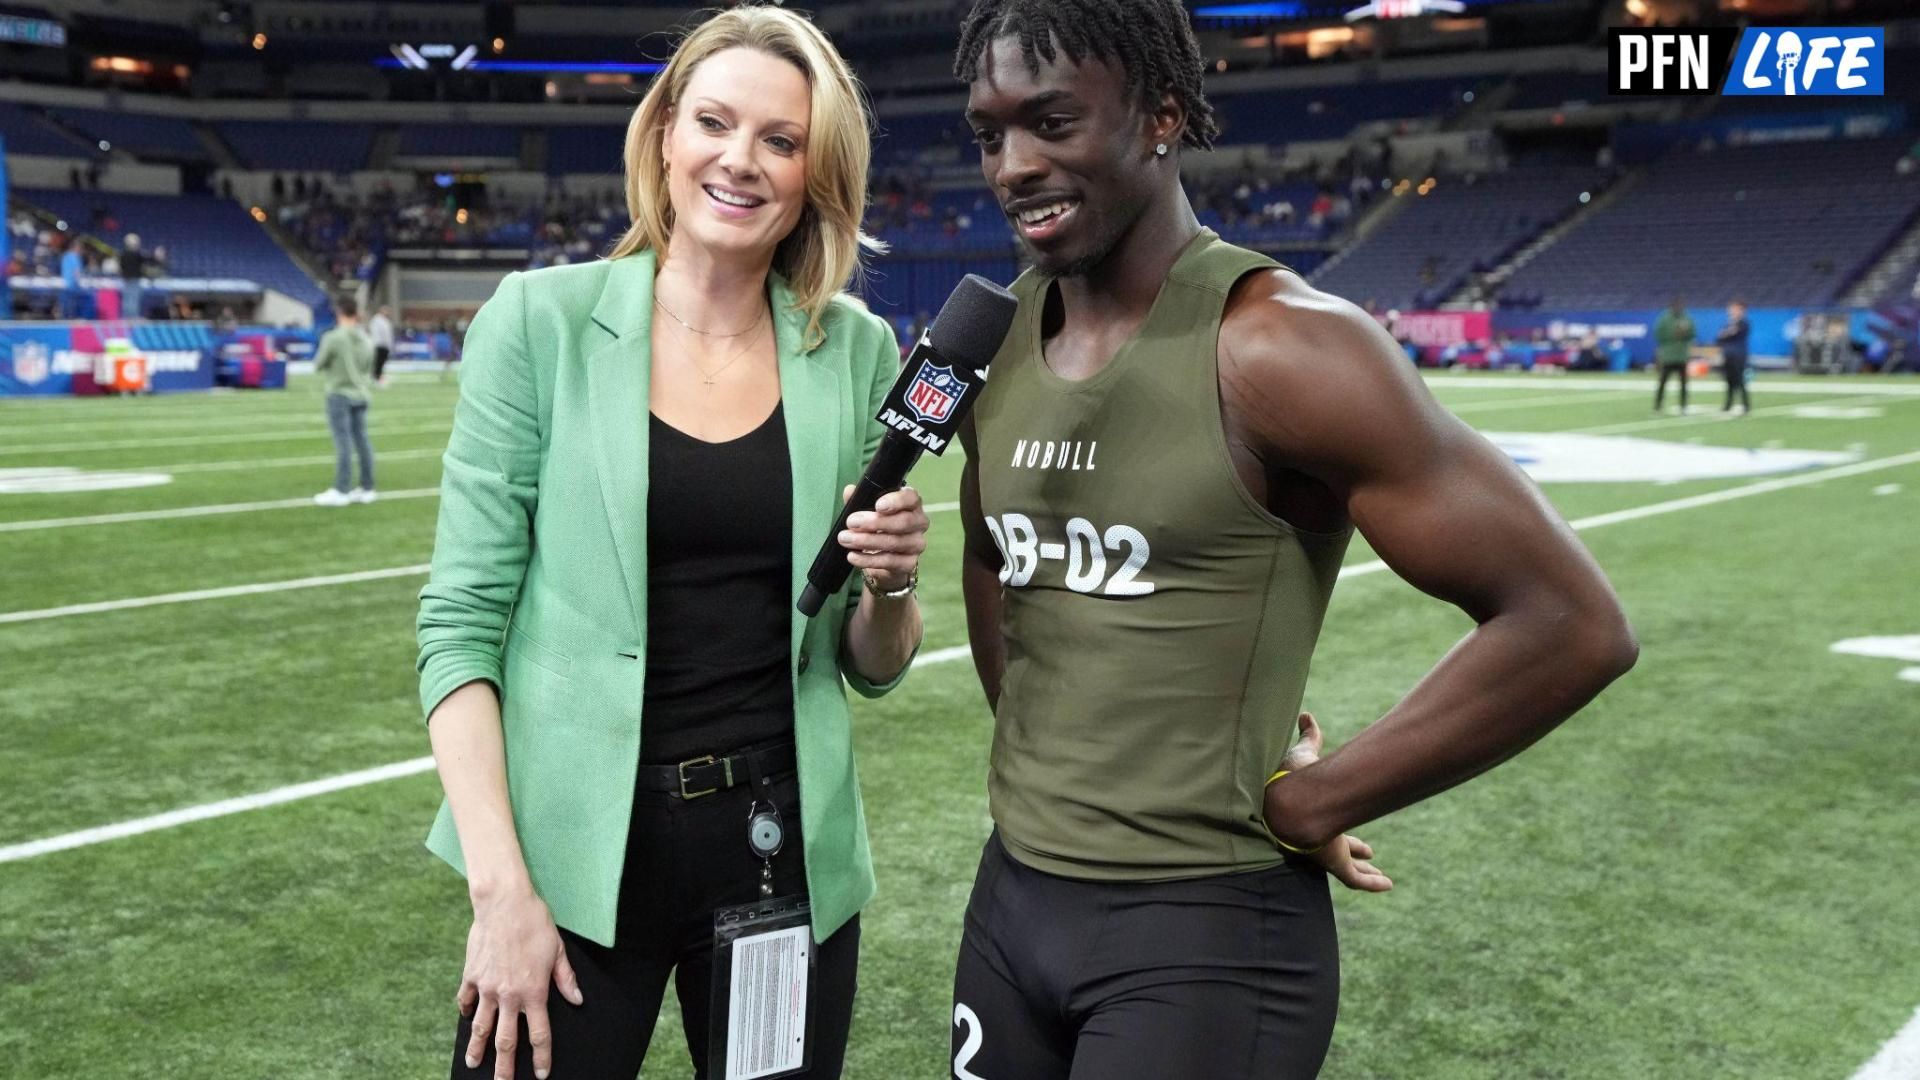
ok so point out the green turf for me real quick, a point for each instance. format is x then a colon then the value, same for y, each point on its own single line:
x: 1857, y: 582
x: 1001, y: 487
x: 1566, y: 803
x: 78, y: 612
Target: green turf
x: 1707, y: 873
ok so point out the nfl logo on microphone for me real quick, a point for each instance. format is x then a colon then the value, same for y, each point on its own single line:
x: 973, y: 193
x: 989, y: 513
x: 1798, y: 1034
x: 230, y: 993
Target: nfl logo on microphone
x: 934, y: 393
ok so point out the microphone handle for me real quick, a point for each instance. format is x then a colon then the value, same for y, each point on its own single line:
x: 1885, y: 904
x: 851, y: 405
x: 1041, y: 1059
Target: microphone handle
x: 886, y: 473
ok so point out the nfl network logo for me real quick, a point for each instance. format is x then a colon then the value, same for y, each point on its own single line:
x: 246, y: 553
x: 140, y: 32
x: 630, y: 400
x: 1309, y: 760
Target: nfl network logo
x: 31, y: 363
x: 934, y: 393
x: 1811, y: 61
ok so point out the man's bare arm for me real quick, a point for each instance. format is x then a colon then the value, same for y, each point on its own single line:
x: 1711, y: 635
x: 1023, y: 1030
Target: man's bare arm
x: 980, y: 577
x: 1329, y: 394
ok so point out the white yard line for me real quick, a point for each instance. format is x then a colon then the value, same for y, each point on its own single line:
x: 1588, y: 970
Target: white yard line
x: 204, y: 440
x: 1709, y: 415
x: 255, y: 507
x: 196, y: 595
x: 1895, y: 386
x: 250, y: 464
x: 1899, y: 1057
x: 314, y: 417
x: 1530, y: 402
x: 171, y: 818
x: 290, y: 793
x: 193, y: 511
x: 1694, y: 502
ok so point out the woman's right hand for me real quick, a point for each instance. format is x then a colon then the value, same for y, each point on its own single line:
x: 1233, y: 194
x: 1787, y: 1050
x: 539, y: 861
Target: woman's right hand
x: 514, y: 953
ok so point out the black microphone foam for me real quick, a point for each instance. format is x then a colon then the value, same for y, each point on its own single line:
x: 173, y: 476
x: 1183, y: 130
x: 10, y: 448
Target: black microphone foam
x: 973, y: 322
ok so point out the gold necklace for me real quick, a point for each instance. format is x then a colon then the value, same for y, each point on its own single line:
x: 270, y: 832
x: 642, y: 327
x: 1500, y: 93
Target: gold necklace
x: 707, y: 377
x: 705, y: 333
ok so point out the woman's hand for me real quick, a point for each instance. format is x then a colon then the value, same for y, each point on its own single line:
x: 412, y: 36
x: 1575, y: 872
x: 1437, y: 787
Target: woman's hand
x: 514, y: 953
x: 1345, y: 856
x: 887, y: 541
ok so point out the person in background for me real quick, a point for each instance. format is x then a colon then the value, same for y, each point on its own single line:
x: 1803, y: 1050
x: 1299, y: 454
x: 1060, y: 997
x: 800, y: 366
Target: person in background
x: 1732, y: 339
x: 1672, y: 345
x: 344, y: 360
x: 72, y: 295
x: 380, y: 329
x: 133, y: 270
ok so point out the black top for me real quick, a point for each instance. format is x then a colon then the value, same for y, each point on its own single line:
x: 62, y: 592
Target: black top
x: 719, y: 585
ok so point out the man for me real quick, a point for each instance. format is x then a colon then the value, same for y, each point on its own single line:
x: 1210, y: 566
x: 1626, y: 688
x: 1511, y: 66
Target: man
x: 344, y: 362
x: 72, y: 295
x: 1732, y: 339
x: 133, y: 269
x: 1672, y: 345
x: 380, y: 329
x: 1162, y: 476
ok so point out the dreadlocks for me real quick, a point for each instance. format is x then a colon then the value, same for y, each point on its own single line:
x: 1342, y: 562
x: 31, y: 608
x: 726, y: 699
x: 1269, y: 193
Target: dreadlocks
x: 1150, y: 40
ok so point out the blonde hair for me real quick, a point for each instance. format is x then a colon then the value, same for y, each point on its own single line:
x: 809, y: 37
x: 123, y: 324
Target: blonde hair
x: 820, y: 256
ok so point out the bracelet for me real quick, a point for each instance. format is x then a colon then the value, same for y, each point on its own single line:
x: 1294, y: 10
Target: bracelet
x: 913, y: 582
x: 1284, y: 846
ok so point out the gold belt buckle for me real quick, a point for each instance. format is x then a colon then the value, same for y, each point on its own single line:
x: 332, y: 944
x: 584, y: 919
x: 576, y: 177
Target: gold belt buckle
x: 705, y: 760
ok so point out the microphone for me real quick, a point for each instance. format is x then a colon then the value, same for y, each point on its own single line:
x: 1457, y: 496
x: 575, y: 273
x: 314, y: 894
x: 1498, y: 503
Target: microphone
x: 936, y: 387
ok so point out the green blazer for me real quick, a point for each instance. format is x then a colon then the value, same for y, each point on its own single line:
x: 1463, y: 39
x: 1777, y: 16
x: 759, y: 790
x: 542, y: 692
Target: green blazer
x: 539, y: 579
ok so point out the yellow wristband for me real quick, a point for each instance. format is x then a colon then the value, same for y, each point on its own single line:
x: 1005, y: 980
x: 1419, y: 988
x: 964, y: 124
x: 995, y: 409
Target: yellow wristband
x: 1284, y: 846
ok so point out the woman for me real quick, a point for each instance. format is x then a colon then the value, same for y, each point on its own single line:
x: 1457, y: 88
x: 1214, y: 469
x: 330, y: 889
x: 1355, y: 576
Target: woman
x: 646, y: 452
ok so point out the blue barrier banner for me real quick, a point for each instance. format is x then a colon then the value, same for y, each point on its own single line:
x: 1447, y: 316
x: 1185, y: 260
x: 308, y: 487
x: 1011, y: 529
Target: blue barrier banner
x: 39, y: 358
x: 1771, y: 330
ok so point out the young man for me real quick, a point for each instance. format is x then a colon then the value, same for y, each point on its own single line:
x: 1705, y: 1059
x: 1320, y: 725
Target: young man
x: 1733, y: 356
x: 344, y: 362
x: 1164, y: 470
x: 1672, y: 347
x: 380, y: 329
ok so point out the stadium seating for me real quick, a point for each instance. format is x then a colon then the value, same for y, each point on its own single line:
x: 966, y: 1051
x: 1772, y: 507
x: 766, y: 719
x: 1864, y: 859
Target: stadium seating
x: 461, y: 141
x: 301, y: 145
x: 594, y: 149
x: 142, y: 135
x: 1554, y: 89
x: 1776, y: 224
x: 26, y: 132
x: 204, y: 236
x: 1430, y: 246
x: 1330, y: 112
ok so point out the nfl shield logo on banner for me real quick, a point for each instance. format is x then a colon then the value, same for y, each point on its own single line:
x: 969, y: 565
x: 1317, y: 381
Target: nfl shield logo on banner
x: 30, y: 363
x: 934, y: 393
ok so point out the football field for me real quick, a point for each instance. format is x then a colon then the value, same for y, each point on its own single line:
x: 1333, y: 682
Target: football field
x: 213, y: 792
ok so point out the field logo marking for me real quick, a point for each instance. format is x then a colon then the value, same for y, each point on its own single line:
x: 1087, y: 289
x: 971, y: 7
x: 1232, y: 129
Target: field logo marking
x: 1837, y: 412
x: 1558, y: 457
x: 61, y: 481
x: 1886, y: 648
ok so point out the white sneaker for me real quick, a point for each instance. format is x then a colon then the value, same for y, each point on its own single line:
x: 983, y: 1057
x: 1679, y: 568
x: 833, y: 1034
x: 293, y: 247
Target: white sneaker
x: 332, y: 497
x: 362, y: 495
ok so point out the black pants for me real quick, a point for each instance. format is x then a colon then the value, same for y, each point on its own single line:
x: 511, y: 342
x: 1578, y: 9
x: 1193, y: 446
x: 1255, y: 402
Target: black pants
x: 1660, y: 394
x: 1230, y: 976
x: 1736, y: 375
x: 380, y: 353
x: 684, y: 859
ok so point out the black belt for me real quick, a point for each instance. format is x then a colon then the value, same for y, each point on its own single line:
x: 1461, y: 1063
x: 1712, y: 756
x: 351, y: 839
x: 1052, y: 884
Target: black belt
x: 707, y: 774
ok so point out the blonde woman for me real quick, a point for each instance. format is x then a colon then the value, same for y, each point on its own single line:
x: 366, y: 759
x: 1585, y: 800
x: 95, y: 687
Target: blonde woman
x: 646, y: 451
